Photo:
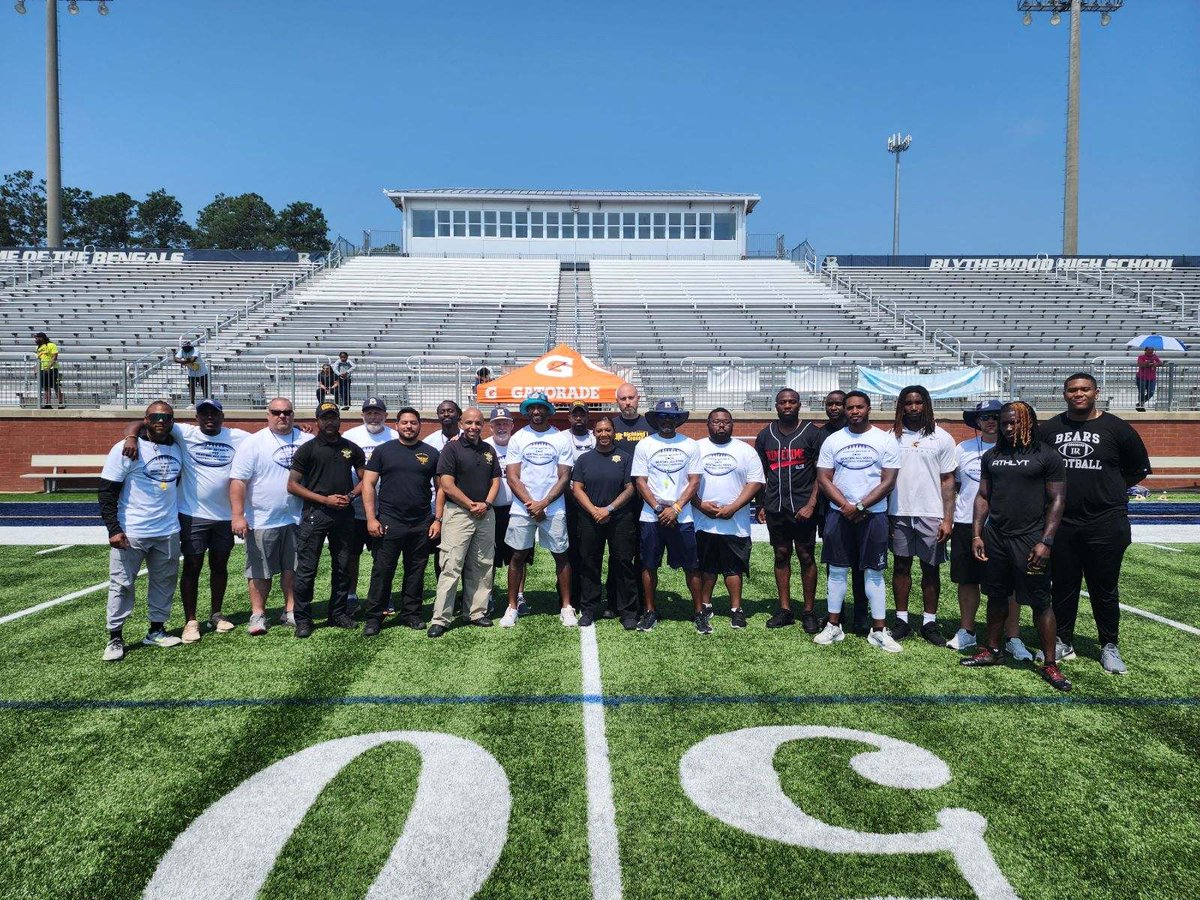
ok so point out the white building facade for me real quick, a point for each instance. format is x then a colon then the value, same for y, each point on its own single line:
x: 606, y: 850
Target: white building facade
x: 573, y: 225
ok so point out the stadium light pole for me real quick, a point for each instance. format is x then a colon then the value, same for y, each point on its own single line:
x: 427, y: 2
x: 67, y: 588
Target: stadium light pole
x: 1076, y: 8
x: 896, y: 145
x: 53, y: 144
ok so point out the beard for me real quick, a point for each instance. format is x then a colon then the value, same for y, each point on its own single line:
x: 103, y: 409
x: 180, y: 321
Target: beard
x: 374, y: 429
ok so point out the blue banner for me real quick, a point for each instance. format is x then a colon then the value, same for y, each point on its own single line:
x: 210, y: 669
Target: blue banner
x: 956, y: 384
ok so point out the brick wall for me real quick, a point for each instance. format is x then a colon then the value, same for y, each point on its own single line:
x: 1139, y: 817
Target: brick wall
x: 34, y: 433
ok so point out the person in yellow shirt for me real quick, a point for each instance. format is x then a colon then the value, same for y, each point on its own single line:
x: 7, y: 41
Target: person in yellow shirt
x: 49, y: 376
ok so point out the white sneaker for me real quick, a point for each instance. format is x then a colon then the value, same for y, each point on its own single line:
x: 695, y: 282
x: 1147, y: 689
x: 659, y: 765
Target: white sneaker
x: 962, y: 640
x: 161, y: 639
x: 566, y: 615
x: 829, y: 634
x: 884, y: 641
x: 1017, y: 650
x: 509, y: 619
x: 114, y: 650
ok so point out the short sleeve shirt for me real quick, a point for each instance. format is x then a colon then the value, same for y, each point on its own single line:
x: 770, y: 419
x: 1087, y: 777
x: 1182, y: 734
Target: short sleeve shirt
x: 858, y: 461
x: 405, y: 477
x: 46, y: 355
x: 473, y: 466
x: 725, y: 470
x: 579, y: 445
x: 327, y: 468
x: 504, y: 497
x: 789, y: 462
x: 204, y: 487
x: 264, y: 461
x: 666, y: 463
x: 604, y: 476
x: 1100, y: 455
x: 1146, y: 368
x: 539, y: 454
x: 1017, y: 487
x: 627, y: 432
x: 148, y: 504
x: 362, y: 436
x: 967, y: 476
x: 924, y: 458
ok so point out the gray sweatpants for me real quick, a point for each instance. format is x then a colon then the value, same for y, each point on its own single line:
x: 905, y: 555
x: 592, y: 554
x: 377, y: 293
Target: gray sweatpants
x: 161, y: 555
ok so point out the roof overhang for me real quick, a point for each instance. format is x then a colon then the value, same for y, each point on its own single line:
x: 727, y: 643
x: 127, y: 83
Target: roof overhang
x: 401, y: 197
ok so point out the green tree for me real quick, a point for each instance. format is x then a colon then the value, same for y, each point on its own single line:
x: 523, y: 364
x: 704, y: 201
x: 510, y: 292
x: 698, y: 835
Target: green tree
x: 76, y: 230
x: 110, y: 220
x: 244, y: 222
x: 22, y: 210
x: 302, y: 227
x: 159, y: 222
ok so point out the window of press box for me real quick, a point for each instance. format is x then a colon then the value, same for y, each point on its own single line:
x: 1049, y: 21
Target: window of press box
x: 460, y: 223
x: 724, y: 226
x: 489, y: 223
x: 640, y: 226
x: 423, y: 223
x: 443, y: 222
x: 474, y: 218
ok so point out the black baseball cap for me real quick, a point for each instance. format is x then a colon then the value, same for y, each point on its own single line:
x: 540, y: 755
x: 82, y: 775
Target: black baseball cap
x: 374, y: 403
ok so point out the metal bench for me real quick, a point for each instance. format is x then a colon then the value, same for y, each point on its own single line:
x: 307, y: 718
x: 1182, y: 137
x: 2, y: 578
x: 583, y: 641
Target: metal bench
x: 57, y: 462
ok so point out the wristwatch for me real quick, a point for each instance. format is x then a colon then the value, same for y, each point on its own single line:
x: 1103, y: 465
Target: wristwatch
x: 1047, y: 540
x: 859, y: 506
x: 659, y: 507
x: 609, y: 508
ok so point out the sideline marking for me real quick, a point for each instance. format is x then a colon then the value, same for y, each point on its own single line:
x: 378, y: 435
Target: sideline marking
x: 53, y: 549
x: 601, y: 811
x: 1162, y: 547
x: 599, y: 700
x: 1153, y: 617
x: 29, y: 611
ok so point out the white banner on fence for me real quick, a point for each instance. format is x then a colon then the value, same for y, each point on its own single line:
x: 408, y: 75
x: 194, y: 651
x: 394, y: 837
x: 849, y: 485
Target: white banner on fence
x: 733, y: 378
x: 812, y: 379
x: 941, y: 385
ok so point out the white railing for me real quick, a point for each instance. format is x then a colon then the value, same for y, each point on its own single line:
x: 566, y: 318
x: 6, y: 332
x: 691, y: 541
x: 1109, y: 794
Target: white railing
x: 901, y: 318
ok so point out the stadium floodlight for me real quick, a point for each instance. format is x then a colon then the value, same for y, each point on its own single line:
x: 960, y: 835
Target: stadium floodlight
x: 897, y: 144
x: 1071, y: 176
x: 73, y: 7
x: 1027, y: 19
x: 102, y: 8
x: 20, y: 7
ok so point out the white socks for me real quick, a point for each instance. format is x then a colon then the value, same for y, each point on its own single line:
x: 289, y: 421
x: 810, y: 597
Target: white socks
x: 837, y: 588
x: 927, y: 618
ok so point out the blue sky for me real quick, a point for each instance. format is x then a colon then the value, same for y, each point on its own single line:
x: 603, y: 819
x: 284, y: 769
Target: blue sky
x: 331, y: 102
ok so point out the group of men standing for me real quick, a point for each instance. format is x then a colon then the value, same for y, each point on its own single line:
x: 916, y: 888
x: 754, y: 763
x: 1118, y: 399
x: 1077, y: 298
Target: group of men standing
x: 1006, y: 502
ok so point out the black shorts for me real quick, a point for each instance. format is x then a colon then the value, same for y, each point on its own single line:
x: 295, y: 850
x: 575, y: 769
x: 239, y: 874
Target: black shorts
x: 49, y: 379
x: 361, y: 539
x: 723, y: 554
x: 784, y: 529
x: 199, y: 535
x: 679, y: 540
x: 964, y: 567
x: 855, y: 545
x: 1005, y: 572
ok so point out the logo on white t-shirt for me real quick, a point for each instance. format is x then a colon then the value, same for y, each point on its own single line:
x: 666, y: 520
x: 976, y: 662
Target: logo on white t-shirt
x: 283, y: 455
x: 162, y: 468
x: 719, y: 464
x: 214, y: 454
x: 971, y: 470
x: 539, y: 453
x: 857, y: 456
x: 668, y: 459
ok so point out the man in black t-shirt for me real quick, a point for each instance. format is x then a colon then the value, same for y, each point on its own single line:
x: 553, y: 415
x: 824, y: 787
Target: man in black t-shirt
x: 603, y: 490
x: 398, y: 480
x: 468, y: 473
x: 788, y: 449
x: 1104, y: 457
x: 322, y: 476
x: 629, y: 427
x: 1017, y: 512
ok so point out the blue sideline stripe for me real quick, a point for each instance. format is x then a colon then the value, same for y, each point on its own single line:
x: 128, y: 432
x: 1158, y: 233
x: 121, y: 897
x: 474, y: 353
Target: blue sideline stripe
x: 611, y: 701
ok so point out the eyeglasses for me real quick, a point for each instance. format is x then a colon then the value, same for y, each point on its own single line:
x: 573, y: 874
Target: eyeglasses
x: 988, y: 417
x: 281, y: 412
x: 160, y: 417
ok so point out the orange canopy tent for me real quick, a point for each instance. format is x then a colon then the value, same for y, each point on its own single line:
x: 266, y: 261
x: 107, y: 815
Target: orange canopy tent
x: 564, y: 374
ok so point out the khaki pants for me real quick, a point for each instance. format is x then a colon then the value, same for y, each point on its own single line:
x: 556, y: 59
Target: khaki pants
x: 468, y: 549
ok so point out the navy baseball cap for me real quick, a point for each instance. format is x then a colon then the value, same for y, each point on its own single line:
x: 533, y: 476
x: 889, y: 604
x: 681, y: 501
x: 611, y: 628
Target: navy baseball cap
x: 502, y: 413
x: 210, y: 401
x: 374, y: 403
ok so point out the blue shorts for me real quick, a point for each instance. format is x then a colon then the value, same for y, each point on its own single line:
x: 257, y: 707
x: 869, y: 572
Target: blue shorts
x: 855, y: 545
x: 679, y: 541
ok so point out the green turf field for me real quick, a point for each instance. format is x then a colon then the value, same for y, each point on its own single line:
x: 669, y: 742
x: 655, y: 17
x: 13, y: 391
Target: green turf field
x: 1092, y: 795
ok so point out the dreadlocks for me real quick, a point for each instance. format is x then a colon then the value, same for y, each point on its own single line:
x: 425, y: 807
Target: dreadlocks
x: 1025, y: 434
x: 927, y: 424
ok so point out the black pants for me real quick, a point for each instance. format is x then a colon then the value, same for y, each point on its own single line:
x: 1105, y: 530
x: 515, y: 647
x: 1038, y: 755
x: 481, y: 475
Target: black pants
x: 343, y: 392
x: 620, y: 534
x: 317, y: 525
x: 573, y: 514
x: 1091, y: 552
x: 412, y: 543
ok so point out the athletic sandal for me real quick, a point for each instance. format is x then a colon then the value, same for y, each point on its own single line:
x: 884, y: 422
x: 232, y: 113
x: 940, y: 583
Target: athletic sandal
x: 1055, y: 678
x: 221, y: 624
x: 985, y: 657
x: 191, y: 632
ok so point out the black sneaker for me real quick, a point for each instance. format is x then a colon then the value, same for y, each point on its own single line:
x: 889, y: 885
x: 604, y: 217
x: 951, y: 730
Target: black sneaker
x: 586, y: 619
x: 436, y: 631
x: 341, y: 621
x: 703, y: 626
x: 781, y: 619
x: 933, y: 634
x: 809, y: 622
x: 648, y: 620
x: 629, y: 623
x: 610, y: 613
x: 303, y: 629
x: 482, y: 622
x: 737, y: 618
x: 371, y: 628
x: 413, y: 622
x: 985, y: 657
x: 901, y: 630
x: 707, y: 611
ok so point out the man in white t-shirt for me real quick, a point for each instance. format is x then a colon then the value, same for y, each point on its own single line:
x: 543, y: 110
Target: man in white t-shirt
x: 205, y: 517
x: 196, y: 368
x: 264, y: 513
x: 500, y: 423
x: 666, y: 470
x: 731, y: 475
x: 139, y: 507
x: 370, y: 434
x: 856, y: 470
x: 539, y: 468
x: 920, y: 509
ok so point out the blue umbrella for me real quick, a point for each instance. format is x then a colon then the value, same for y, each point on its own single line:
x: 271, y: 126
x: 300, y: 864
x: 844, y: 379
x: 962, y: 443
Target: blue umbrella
x: 1158, y: 342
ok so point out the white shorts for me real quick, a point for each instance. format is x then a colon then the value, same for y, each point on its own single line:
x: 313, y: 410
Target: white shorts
x: 552, y: 530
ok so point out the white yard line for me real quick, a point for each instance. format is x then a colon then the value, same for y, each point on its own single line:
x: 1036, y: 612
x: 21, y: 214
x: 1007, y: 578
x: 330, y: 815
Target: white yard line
x: 1162, y: 547
x: 53, y: 549
x: 1153, y: 617
x: 29, y: 611
x: 601, y: 811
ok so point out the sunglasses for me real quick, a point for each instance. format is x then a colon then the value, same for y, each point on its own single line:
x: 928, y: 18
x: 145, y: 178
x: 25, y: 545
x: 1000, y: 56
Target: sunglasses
x: 160, y: 417
x: 281, y: 412
x: 988, y: 417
